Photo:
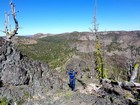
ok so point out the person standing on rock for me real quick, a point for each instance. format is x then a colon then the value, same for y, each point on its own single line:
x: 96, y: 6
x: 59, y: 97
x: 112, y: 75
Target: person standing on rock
x: 72, y: 79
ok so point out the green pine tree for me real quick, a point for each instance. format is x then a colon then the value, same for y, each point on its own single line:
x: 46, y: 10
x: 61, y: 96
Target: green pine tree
x: 99, y: 60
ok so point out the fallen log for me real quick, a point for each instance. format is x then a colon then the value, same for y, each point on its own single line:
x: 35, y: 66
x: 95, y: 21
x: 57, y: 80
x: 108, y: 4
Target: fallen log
x: 124, y: 85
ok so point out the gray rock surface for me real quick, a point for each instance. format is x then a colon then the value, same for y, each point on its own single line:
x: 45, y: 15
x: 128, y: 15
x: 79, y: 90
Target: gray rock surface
x: 22, y: 78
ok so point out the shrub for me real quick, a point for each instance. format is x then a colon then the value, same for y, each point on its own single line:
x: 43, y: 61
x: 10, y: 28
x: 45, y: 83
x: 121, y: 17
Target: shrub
x: 3, y: 101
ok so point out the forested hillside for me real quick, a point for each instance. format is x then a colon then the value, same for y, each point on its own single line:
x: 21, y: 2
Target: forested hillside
x: 59, y: 50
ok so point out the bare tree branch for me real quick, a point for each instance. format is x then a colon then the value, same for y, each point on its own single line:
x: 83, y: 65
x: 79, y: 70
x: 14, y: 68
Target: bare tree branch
x: 10, y: 33
x: 14, y: 32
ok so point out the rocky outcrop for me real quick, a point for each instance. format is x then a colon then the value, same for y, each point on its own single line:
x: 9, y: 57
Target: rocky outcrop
x: 22, y: 78
x: 12, y: 71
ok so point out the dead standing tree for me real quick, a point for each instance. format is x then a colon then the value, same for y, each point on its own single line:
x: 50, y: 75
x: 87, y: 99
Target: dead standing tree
x: 99, y: 47
x: 99, y: 59
x: 132, y: 65
x: 10, y: 33
x: 94, y: 30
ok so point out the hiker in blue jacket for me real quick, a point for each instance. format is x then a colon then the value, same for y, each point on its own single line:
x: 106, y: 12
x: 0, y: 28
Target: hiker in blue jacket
x: 72, y: 79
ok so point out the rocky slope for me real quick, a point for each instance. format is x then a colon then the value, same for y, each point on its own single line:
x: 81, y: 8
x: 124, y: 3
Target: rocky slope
x: 28, y: 82
x: 23, y: 79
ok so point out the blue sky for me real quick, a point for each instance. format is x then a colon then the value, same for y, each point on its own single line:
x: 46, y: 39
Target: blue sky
x: 59, y: 16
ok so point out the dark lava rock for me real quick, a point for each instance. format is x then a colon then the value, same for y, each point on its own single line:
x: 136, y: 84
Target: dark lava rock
x: 22, y: 78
